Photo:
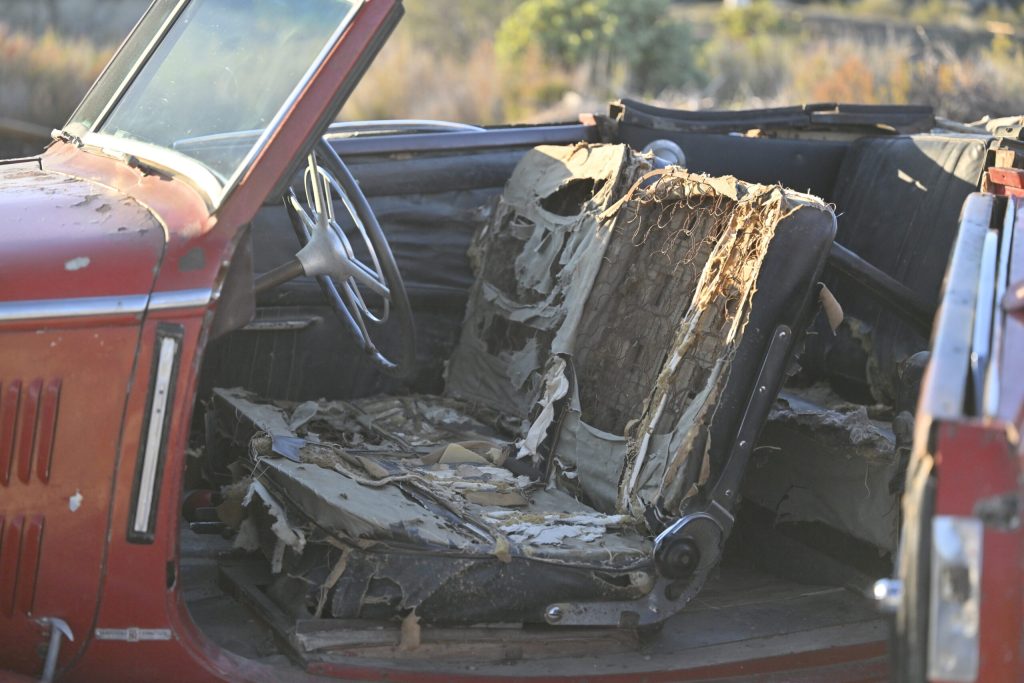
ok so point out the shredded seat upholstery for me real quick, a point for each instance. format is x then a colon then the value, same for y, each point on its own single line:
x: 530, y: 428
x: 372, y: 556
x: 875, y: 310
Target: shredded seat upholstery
x: 591, y: 379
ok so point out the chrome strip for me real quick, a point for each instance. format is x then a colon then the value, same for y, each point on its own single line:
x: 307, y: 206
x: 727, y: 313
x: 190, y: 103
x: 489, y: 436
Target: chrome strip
x: 267, y: 132
x: 344, y: 129
x: 143, y: 59
x: 204, y: 179
x: 85, y: 307
x: 182, y: 298
x: 155, y: 433
x: 954, y: 601
x: 133, y: 634
x: 91, y: 307
x: 994, y: 377
x: 945, y: 386
x: 984, y: 312
x: 348, y: 128
x: 283, y: 112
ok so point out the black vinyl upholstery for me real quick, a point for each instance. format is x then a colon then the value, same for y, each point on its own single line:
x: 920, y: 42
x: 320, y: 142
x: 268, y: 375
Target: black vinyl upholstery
x: 898, y: 202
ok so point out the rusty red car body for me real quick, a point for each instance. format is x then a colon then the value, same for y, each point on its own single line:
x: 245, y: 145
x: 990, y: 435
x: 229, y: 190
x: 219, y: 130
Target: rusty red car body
x: 97, y: 228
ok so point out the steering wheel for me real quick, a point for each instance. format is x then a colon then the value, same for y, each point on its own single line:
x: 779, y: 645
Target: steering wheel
x: 355, y: 268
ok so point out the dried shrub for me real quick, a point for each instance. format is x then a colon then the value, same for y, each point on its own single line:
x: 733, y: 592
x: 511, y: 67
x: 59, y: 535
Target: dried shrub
x: 45, y: 77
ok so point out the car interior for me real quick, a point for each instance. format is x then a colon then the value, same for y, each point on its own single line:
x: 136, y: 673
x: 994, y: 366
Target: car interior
x: 652, y: 404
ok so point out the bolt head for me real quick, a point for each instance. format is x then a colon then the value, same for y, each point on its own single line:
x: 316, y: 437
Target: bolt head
x: 678, y: 559
x: 554, y: 614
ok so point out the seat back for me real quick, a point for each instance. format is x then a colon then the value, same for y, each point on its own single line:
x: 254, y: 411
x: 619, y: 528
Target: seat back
x: 656, y: 309
x: 533, y: 261
x: 698, y: 274
x: 898, y: 200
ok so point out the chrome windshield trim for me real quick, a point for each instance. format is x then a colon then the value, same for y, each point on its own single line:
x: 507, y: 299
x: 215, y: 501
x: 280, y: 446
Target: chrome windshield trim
x: 225, y: 188
x: 285, y: 108
x: 137, y: 67
x: 113, y: 59
x: 97, y: 306
x: 343, y: 129
x: 164, y: 159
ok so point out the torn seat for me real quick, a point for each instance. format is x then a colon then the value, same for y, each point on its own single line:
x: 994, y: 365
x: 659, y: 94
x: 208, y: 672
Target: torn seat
x: 625, y: 336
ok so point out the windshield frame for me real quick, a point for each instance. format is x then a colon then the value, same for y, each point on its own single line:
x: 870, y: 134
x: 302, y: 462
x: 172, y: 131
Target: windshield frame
x: 214, y: 188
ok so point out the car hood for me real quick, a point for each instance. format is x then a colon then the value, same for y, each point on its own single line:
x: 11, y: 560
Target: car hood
x: 64, y: 237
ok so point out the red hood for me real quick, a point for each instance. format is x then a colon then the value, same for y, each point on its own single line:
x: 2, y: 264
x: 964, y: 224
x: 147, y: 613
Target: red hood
x: 64, y: 237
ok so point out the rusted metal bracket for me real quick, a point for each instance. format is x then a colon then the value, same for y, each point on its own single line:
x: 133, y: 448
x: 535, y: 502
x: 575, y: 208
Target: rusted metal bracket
x: 688, y: 549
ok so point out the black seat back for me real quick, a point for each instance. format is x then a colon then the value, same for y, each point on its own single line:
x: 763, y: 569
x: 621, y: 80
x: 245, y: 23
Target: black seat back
x: 898, y: 201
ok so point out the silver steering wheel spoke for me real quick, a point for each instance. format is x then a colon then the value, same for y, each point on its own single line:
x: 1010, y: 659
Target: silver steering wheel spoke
x: 329, y: 252
x: 351, y: 260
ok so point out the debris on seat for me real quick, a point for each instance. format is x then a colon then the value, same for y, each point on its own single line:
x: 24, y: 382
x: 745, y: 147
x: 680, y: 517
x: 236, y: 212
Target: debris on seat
x: 286, y: 535
x: 822, y: 459
x: 473, y: 452
x: 553, y: 529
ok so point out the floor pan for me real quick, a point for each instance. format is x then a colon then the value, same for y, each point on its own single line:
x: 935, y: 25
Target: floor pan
x: 742, y: 615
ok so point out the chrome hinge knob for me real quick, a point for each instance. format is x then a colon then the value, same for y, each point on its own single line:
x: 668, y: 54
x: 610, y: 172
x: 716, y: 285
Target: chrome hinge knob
x: 888, y: 594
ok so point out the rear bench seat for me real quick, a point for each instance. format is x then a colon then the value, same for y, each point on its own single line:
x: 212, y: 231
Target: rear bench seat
x: 898, y: 203
x: 824, y: 457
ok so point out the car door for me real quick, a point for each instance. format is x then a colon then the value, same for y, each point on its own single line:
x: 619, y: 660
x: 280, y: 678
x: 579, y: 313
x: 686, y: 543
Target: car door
x: 75, y: 393
x: 958, y: 593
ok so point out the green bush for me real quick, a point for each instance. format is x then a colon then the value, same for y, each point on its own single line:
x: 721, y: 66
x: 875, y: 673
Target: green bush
x: 759, y: 18
x: 637, y: 39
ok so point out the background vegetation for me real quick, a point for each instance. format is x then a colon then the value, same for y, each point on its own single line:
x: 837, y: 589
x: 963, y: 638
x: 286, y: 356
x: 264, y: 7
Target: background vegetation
x: 532, y: 60
x: 491, y: 61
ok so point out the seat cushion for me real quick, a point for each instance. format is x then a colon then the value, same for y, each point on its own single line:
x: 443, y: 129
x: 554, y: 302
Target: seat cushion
x: 422, y: 506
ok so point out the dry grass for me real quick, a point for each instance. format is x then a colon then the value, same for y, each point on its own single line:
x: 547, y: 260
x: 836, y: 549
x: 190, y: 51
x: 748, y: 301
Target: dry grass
x: 406, y: 81
x: 43, y: 78
x: 765, y: 70
x: 991, y: 81
x: 749, y: 58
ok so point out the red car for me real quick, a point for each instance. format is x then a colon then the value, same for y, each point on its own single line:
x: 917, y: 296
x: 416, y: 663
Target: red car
x: 656, y: 395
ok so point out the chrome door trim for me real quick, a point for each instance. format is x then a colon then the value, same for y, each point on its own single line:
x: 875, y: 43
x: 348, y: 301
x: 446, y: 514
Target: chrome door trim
x: 84, y: 307
x: 182, y: 298
x: 153, y: 445
x: 97, y: 306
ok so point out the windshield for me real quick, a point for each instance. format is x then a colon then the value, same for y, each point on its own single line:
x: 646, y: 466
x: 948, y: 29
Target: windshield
x: 222, y: 66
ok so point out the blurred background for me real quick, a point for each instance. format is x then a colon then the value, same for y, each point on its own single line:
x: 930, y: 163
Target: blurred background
x: 495, y: 61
